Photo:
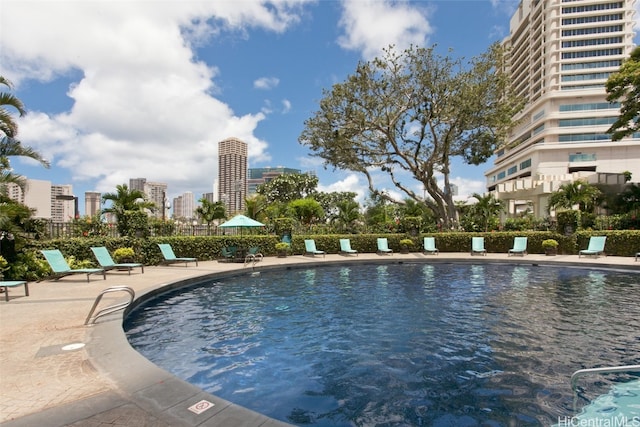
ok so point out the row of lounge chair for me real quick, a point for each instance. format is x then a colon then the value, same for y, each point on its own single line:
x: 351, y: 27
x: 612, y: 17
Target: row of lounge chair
x: 595, y: 247
x: 61, y: 268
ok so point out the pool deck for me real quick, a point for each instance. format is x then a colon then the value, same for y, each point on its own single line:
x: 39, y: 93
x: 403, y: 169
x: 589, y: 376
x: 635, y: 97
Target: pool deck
x: 55, y: 371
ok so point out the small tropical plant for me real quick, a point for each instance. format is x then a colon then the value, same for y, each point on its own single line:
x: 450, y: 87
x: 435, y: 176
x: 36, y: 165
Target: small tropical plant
x: 407, y: 243
x: 282, y: 246
x: 123, y: 254
x: 4, y: 266
x: 550, y: 246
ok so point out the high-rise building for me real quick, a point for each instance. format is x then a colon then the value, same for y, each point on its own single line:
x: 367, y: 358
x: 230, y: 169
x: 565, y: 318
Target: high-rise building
x: 137, y: 183
x: 209, y: 197
x: 560, y: 55
x: 183, y: 206
x: 92, y: 202
x: 63, y: 203
x: 156, y: 192
x: 37, y: 196
x: 177, y: 207
x: 259, y: 176
x: 232, y: 174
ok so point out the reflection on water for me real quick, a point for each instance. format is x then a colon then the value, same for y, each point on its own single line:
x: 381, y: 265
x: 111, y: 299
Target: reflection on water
x: 437, y: 344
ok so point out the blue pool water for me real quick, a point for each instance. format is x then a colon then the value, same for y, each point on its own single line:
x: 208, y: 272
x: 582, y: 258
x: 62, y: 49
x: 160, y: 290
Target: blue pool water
x: 398, y: 344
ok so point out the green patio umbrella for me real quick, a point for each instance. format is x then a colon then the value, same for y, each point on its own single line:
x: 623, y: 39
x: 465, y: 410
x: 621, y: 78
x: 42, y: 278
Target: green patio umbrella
x: 241, y: 221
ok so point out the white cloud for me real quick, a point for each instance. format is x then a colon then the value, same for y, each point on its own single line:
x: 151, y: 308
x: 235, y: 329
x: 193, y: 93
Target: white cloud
x: 143, y: 104
x: 372, y: 25
x: 286, y: 106
x: 350, y: 183
x: 266, y: 83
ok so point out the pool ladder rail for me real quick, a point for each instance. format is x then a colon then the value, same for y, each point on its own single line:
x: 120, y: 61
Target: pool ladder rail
x: 604, y: 370
x: 91, y: 318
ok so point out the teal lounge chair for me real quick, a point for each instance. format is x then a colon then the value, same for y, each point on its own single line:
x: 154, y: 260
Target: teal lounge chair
x: 310, y: 248
x: 345, y: 247
x: 383, y: 246
x: 477, y: 246
x: 519, y: 246
x: 253, y: 255
x: 170, y: 257
x: 12, y: 284
x: 430, y: 246
x: 61, y: 269
x: 595, y: 248
x: 104, y: 259
x: 229, y: 253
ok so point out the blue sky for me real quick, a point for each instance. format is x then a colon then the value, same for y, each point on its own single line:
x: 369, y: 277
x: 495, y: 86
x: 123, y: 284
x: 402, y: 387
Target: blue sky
x: 120, y: 89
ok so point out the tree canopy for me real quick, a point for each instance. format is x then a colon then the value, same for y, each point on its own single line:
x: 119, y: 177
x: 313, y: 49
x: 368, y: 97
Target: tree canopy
x: 624, y: 86
x: 288, y: 187
x: 409, y: 114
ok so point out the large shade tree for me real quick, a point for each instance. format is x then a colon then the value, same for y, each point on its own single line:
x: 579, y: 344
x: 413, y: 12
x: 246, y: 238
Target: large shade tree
x: 409, y: 114
x: 624, y: 86
x: 288, y: 187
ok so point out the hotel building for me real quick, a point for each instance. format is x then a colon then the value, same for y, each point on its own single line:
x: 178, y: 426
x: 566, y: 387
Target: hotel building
x: 561, y: 55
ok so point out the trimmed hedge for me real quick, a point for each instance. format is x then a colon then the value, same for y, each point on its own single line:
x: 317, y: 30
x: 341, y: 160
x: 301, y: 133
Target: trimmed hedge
x: 619, y: 243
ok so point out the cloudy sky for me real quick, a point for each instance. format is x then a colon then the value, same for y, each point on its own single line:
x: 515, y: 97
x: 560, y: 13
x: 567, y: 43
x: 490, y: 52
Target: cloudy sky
x: 122, y: 89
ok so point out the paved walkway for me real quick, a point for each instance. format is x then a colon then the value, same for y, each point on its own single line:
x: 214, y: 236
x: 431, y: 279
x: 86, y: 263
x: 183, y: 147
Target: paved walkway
x: 55, y: 371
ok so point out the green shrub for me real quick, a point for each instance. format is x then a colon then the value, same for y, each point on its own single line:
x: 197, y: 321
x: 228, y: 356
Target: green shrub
x: 123, y: 254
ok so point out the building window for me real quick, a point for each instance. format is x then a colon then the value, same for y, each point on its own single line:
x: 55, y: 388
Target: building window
x: 538, y: 129
x: 581, y: 77
x: 592, y: 42
x: 582, y: 157
x: 538, y: 115
x: 591, y: 65
x: 577, y: 87
x: 525, y: 164
x: 584, y: 137
x: 592, y: 7
x: 592, y: 30
x: 590, y: 106
x: 501, y: 175
x: 591, y: 19
x: 587, y: 121
x: 592, y: 53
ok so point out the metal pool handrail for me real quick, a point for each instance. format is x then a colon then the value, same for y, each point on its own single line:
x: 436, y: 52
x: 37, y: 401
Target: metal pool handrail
x: 604, y: 370
x: 110, y: 309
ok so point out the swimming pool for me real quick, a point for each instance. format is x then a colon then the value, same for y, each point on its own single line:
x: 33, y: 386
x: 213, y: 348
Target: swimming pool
x: 398, y: 344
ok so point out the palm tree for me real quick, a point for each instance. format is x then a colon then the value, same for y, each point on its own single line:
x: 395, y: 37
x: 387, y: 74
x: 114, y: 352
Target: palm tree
x: 579, y: 193
x: 486, y: 211
x: 9, y: 145
x: 14, y: 216
x: 210, y: 211
x: 128, y: 207
x: 125, y: 199
x: 255, y: 207
x: 348, y: 214
x: 8, y: 125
